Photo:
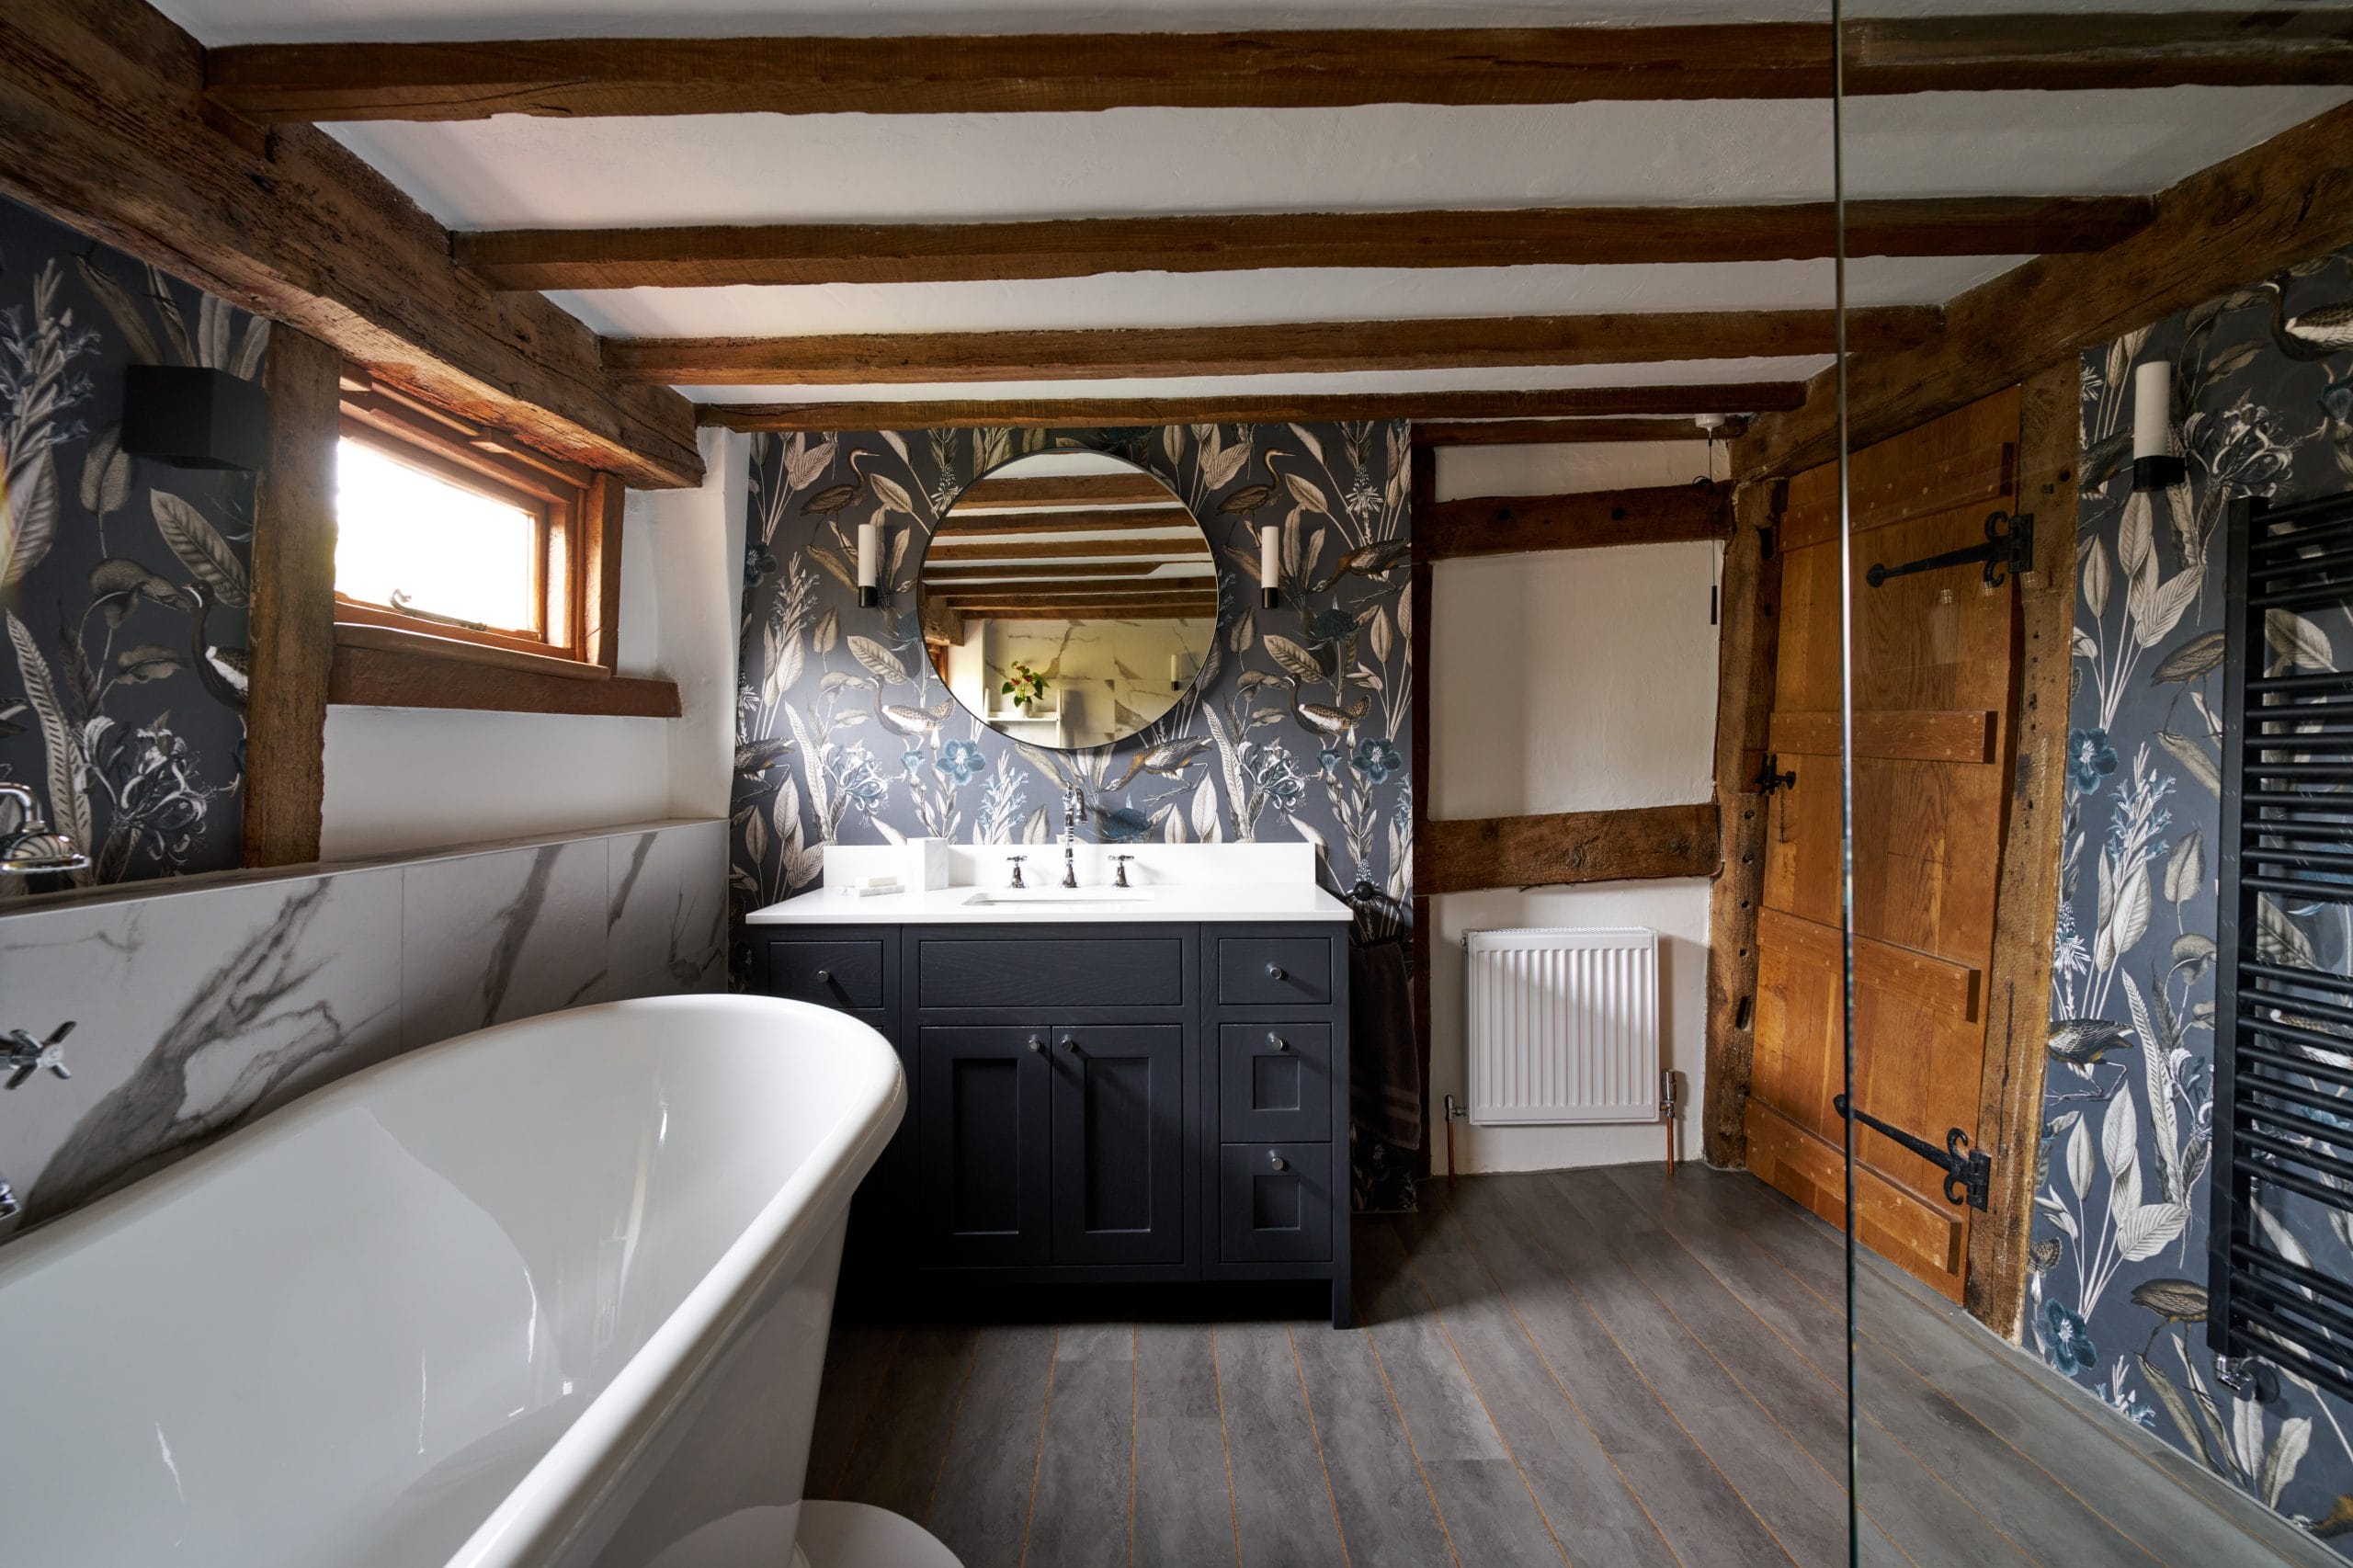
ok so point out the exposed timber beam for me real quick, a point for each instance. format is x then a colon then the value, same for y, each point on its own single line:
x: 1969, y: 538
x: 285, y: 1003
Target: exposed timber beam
x: 961, y: 522
x: 1565, y: 432
x: 1015, y: 550
x: 1065, y: 490
x: 1502, y: 524
x: 1730, y: 397
x: 975, y: 573
x: 1564, y: 848
x: 1297, y: 348
x: 1206, y: 610
x: 104, y: 125
x: 2284, y: 202
x: 1294, y: 69
x: 714, y: 254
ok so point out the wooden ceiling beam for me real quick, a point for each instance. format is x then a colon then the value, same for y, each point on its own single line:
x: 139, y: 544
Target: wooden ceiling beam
x: 2280, y: 202
x: 1205, y: 609
x: 104, y: 125
x: 1565, y: 432
x: 1299, y: 348
x: 961, y: 522
x: 1013, y: 550
x: 1290, y: 68
x: 1730, y: 397
x: 961, y: 573
x: 1503, y: 525
x: 713, y: 255
x: 1056, y: 490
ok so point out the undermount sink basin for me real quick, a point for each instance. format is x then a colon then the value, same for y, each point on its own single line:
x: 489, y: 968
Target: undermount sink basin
x: 1032, y: 898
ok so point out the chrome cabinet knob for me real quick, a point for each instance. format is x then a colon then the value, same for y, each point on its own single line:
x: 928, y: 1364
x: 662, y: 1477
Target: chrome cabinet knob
x: 825, y: 974
x: 1069, y: 1044
x: 1277, y: 1042
x: 1036, y: 1044
x: 1274, y: 972
x: 1278, y: 1161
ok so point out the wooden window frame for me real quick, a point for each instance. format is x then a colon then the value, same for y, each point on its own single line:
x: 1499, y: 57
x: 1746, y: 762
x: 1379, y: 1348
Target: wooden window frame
x: 556, y: 494
x: 387, y: 659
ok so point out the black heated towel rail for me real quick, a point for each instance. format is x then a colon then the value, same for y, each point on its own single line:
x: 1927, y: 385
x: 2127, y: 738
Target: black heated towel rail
x: 2283, y: 1037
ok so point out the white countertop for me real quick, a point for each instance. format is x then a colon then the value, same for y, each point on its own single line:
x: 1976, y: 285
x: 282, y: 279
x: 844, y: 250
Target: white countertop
x: 1179, y: 883
x: 1050, y: 905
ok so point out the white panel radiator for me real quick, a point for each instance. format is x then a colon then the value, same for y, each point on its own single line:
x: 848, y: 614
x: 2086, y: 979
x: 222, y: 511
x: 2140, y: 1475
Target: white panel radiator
x: 1563, y: 1025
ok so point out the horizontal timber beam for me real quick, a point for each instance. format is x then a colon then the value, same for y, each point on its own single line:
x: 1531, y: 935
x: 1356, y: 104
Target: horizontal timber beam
x: 1503, y: 525
x: 1296, y: 348
x: 1730, y: 397
x: 1175, y: 550
x: 1291, y: 69
x: 1067, y: 489
x: 104, y: 125
x: 976, y: 573
x: 2283, y: 201
x: 1565, y: 432
x: 960, y: 521
x: 1568, y: 846
x: 706, y: 255
x: 1205, y: 609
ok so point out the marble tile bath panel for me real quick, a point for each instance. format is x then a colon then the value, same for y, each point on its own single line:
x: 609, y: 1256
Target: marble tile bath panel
x: 506, y: 935
x: 667, y: 912
x: 193, y: 1013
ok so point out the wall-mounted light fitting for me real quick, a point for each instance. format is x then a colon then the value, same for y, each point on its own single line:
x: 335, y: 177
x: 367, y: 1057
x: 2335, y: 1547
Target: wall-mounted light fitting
x: 2154, y: 466
x: 1180, y: 670
x: 870, y: 564
x: 192, y: 417
x: 1270, y: 564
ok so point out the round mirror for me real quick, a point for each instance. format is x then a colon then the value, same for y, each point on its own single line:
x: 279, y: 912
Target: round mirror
x: 1069, y: 599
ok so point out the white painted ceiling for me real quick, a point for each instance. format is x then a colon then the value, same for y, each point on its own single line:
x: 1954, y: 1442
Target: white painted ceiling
x: 517, y: 172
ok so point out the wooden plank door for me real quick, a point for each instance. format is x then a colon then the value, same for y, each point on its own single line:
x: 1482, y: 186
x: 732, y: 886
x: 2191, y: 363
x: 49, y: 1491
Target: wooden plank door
x: 1120, y: 1144
x: 1934, y: 661
x: 985, y: 1099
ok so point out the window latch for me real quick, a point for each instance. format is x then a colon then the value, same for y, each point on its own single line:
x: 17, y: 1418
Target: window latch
x: 400, y: 603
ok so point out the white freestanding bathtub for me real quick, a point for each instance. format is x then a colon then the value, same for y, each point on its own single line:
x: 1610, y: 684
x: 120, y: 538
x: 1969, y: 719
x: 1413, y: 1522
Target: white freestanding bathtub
x: 553, y: 1293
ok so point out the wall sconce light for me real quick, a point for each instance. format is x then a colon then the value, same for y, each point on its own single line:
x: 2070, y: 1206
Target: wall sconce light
x: 870, y: 564
x: 1270, y: 564
x: 2154, y: 467
x: 191, y: 416
x: 1180, y: 670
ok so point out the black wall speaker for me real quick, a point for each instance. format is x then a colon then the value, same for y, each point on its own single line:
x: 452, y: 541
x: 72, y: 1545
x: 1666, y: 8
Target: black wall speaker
x: 190, y: 417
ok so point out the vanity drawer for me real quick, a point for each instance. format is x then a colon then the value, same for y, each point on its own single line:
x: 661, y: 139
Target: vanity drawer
x: 1033, y: 973
x: 1274, y: 1082
x: 847, y: 975
x: 1274, y: 972
x: 1274, y: 1202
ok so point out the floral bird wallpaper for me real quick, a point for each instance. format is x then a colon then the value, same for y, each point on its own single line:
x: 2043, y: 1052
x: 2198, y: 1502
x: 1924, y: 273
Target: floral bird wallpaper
x: 2263, y: 405
x: 1298, y: 728
x: 123, y: 582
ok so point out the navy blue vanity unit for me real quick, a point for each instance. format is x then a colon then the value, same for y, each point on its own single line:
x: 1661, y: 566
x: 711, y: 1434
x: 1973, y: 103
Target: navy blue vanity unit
x: 1096, y: 1097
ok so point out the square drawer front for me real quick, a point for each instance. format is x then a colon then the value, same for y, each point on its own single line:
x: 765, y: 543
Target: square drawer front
x: 837, y: 975
x: 1112, y: 972
x: 1274, y: 1202
x: 1274, y: 1082
x: 1274, y: 972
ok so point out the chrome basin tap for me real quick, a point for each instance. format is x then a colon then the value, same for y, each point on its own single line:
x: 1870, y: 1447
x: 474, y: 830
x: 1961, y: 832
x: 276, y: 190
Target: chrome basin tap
x: 9, y: 1206
x: 1074, y: 807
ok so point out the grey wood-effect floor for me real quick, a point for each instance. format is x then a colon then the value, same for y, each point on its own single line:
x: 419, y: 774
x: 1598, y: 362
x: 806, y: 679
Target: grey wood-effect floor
x: 1597, y: 1367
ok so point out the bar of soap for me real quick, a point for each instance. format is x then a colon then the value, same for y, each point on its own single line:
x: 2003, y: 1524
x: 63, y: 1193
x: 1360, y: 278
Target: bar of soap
x: 867, y: 884
x: 875, y: 891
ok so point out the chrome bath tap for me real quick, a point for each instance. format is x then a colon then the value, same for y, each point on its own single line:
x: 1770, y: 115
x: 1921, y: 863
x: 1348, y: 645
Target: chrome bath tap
x: 1074, y: 807
x: 9, y: 1206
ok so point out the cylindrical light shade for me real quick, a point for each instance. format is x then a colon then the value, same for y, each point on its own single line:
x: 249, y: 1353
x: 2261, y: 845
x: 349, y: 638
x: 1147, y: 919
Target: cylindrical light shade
x: 1177, y: 673
x: 1270, y: 564
x: 2154, y: 467
x: 870, y: 564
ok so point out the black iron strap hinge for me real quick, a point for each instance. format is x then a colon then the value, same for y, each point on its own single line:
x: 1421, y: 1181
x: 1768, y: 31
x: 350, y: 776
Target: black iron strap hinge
x: 2008, y: 547
x: 1969, y: 1174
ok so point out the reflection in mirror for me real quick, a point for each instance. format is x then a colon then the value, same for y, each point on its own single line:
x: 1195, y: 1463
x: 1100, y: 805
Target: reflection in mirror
x: 1069, y: 598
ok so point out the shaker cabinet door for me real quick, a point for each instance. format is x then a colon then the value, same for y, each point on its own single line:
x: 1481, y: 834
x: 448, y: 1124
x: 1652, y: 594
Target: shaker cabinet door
x: 1119, y: 1144
x: 984, y: 1182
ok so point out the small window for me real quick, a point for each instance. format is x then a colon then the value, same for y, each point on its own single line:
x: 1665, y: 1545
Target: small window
x: 447, y: 534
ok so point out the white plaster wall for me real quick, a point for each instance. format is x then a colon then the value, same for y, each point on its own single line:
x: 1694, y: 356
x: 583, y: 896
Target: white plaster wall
x: 400, y: 779
x: 1577, y: 680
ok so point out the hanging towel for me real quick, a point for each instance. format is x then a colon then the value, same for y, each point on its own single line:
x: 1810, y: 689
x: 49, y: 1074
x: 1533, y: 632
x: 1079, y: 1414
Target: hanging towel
x: 1385, y: 1078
